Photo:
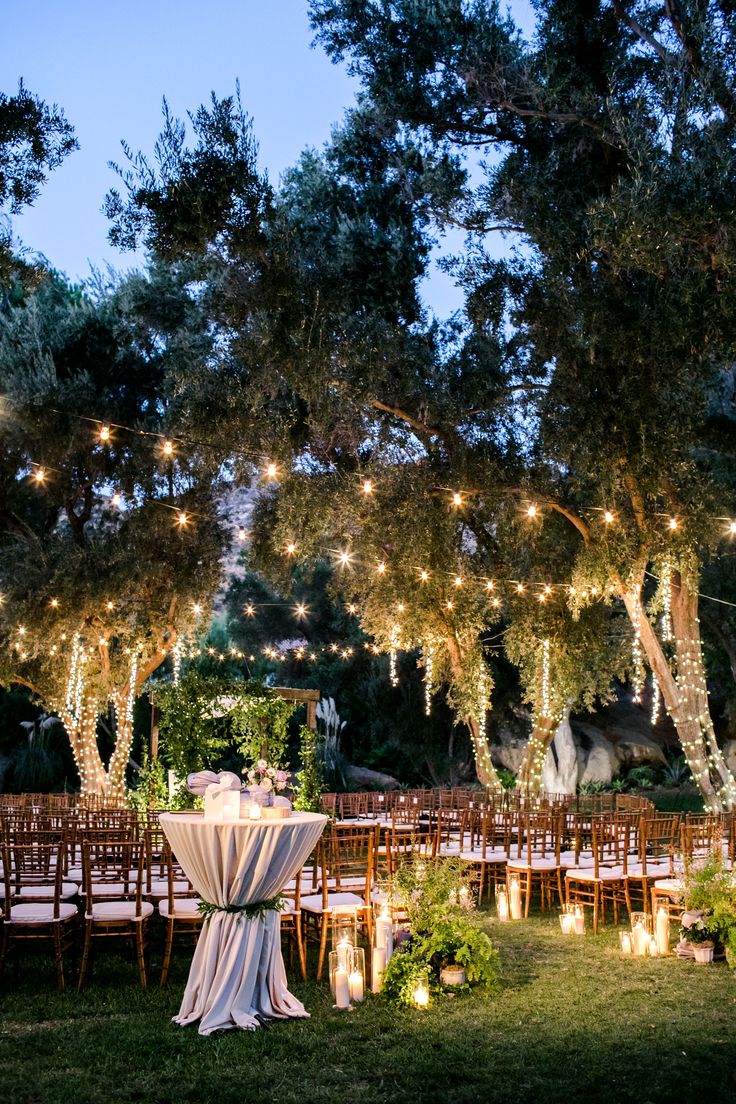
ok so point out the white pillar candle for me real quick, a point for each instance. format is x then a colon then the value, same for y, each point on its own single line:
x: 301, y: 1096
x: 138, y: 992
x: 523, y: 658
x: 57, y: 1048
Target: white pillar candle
x: 626, y: 943
x: 355, y: 985
x: 653, y: 950
x: 385, y: 934
x: 344, y: 949
x: 515, y: 899
x: 502, y: 902
x: 663, y: 931
x: 640, y: 940
x: 342, y: 988
x: 567, y: 923
x: 579, y: 921
x: 255, y: 811
x: 378, y: 965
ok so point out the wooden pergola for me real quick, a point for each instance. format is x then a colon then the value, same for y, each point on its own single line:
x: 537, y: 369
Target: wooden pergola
x: 308, y: 697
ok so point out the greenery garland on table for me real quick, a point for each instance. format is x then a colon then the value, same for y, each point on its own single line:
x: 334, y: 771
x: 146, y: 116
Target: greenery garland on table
x: 254, y: 911
x: 438, y: 902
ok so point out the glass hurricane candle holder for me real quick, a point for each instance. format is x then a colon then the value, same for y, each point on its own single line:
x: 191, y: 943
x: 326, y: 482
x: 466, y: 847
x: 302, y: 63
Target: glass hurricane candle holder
x: 344, y: 929
x: 502, y: 903
x: 340, y: 979
x: 567, y: 921
x: 514, y: 888
x: 641, y: 932
x: 624, y: 939
x: 662, y: 930
x: 356, y: 976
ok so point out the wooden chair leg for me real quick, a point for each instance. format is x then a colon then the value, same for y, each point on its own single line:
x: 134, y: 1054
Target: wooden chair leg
x: 58, y: 958
x: 140, y: 951
x: 595, y: 908
x: 167, y: 952
x: 300, y: 946
x: 84, y: 965
x: 322, y: 944
x: 528, y: 893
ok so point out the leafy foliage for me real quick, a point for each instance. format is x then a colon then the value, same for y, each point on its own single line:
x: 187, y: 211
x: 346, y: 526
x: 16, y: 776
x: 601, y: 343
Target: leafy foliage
x: 309, y: 785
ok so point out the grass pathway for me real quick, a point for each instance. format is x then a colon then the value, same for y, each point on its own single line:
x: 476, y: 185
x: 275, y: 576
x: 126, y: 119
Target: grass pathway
x: 572, y: 1022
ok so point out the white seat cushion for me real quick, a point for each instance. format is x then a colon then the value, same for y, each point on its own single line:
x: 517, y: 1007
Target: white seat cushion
x: 40, y: 912
x: 184, y: 908
x: 654, y: 869
x: 341, y: 902
x: 119, y: 910
x: 548, y: 863
x: 605, y: 874
x: 160, y: 887
x: 670, y: 885
x: 46, y: 892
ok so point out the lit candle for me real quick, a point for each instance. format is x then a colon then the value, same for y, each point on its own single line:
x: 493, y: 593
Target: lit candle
x: 344, y: 947
x: 515, y: 898
x: 640, y: 939
x: 421, y: 995
x: 567, y: 923
x: 502, y: 905
x: 355, y: 985
x: 579, y: 921
x: 255, y: 811
x: 378, y: 965
x: 663, y: 931
x: 342, y: 988
x: 626, y: 943
x: 653, y: 950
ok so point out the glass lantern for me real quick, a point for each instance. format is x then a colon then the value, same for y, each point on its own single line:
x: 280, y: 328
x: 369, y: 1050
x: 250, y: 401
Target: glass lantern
x: 641, y: 933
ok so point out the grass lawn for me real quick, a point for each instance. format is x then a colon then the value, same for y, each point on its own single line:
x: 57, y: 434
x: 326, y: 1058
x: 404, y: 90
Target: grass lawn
x: 571, y: 1022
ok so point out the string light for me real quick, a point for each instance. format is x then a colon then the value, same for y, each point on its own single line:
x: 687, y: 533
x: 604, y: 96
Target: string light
x: 608, y: 517
x: 655, y: 699
x: 457, y: 499
x: 249, y: 610
x: 344, y: 559
x: 104, y: 432
x: 381, y: 568
x: 39, y: 475
x: 300, y: 610
x: 116, y: 500
x: 196, y: 609
x: 393, y: 675
x: 424, y: 575
x: 168, y: 447
x: 673, y: 523
x: 109, y: 606
x: 271, y: 470
x: 54, y: 603
x: 637, y: 682
x: 531, y: 510
x: 489, y: 584
x: 367, y: 487
x: 290, y: 548
x: 176, y: 652
x: 666, y: 587
x: 242, y: 535
x: 182, y: 519
x: 546, y: 693
x: 428, y: 679
x: 458, y: 581
x: 732, y: 528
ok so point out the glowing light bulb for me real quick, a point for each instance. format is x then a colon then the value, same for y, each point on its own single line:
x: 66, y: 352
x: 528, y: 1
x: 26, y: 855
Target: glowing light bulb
x: 109, y: 606
x: 39, y: 475
x: 367, y: 487
x: 168, y: 447
x: 116, y: 499
x: 496, y: 602
x: 489, y: 584
x: 519, y: 588
x: 531, y: 510
x: 250, y: 611
x: 424, y: 575
x: 608, y: 517
x: 548, y: 589
x: 290, y: 548
x: 102, y: 642
x: 242, y: 534
x: 542, y: 597
x: 271, y: 470
x: 457, y: 499
x: 182, y: 518
x: 21, y: 630
x: 104, y: 432
x: 54, y: 603
x: 301, y: 610
x: 344, y: 559
x: 400, y: 607
x: 732, y: 528
x: 196, y: 609
x: 448, y: 604
x: 458, y: 581
x: 673, y: 523
x: 381, y: 568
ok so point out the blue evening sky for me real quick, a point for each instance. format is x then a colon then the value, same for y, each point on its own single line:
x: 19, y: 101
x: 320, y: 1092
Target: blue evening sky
x: 108, y: 66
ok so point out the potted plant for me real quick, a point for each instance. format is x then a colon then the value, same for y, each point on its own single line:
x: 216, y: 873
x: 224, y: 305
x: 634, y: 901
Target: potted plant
x: 701, y: 935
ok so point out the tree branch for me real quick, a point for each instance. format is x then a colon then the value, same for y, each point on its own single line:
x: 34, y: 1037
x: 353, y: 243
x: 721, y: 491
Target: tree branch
x: 420, y: 427
x: 640, y: 32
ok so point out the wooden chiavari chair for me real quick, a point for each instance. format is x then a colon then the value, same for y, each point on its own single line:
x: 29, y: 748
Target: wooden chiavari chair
x: 607, y: 879
x: 179, y: 909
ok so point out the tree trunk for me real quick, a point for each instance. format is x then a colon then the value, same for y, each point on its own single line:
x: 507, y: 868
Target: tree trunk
x: 686, y: 696
x: 529, y: 777
x: 484, y: 768
x: 120, y: 754
x: 82, y: 732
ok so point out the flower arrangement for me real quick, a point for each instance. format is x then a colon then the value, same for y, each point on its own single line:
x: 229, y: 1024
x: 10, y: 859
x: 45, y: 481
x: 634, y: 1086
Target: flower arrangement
x: 268, y: 779
x: 700, y: 931
x: 710, y: 889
